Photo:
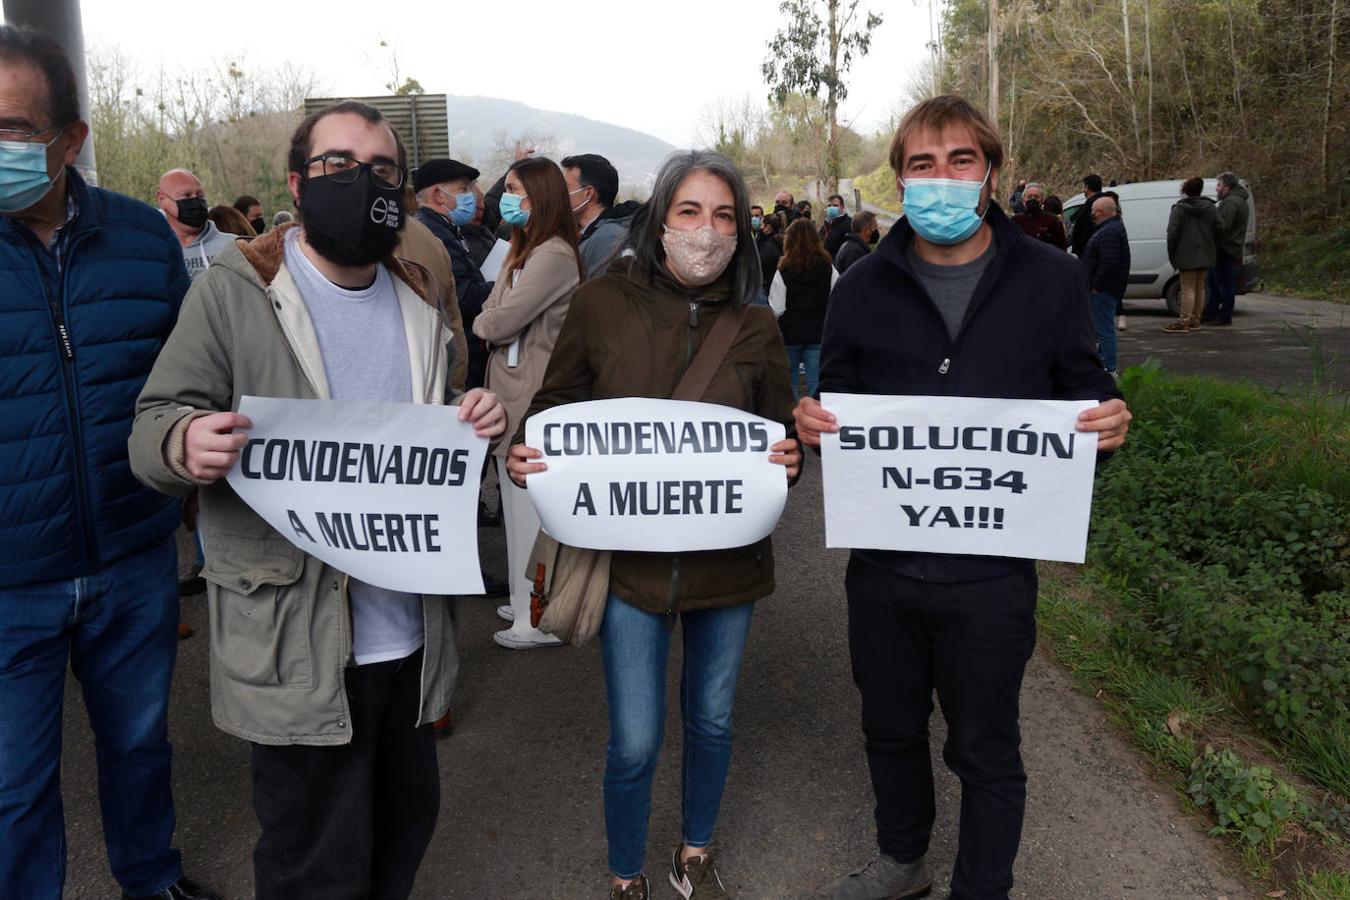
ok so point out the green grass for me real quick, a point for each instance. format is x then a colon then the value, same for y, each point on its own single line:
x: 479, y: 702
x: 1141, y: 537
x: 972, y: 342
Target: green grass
x: 1215, y: 608
x: 1310, y: 265
x: 1324, y: 885
x: 878, y: 188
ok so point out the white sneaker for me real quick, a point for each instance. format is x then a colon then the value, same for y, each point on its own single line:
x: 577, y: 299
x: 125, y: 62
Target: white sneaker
x: 1120, y: 323
x: 506, y: 612
x: 532, y: 640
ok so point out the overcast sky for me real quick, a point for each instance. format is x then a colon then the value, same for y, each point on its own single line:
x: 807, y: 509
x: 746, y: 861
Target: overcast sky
x: 653, y: 66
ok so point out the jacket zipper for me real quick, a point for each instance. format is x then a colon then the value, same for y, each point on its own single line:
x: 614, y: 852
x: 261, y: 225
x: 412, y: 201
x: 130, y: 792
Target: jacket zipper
x: 67, y: 347
x: 688, y: 357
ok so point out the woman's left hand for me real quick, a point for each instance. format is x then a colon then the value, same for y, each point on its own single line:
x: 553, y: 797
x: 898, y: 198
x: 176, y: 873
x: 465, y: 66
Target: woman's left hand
x: 484, y: 409
x: 787, y: 453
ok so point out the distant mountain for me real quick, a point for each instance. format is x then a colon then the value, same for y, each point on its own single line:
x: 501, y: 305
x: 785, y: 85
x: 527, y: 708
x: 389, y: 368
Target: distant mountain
x: 477, y: 124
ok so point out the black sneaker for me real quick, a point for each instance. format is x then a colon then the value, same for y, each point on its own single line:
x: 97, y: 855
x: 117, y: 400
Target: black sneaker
x: 637, y: 889
x: 696, y: 878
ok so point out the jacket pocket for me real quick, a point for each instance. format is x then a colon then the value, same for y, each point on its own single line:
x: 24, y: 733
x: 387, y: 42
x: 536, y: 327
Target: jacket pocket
x: 260, y: 611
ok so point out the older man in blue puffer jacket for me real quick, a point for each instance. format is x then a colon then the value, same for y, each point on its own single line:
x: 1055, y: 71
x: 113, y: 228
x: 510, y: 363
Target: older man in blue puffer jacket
x: 91, y: 285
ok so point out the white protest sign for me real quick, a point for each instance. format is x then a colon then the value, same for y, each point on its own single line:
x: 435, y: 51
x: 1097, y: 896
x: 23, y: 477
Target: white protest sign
x: 385, y: 492
x: 491, y: 269
x: 958, y: 475
x: 659, y: 475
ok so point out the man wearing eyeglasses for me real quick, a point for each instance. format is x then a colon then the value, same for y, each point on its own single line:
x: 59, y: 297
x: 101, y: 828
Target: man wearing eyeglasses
x: 88, y: 573
x: 334, y: 682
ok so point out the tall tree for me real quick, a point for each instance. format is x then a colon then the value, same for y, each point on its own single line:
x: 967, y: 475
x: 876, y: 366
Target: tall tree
x: 808, y: 56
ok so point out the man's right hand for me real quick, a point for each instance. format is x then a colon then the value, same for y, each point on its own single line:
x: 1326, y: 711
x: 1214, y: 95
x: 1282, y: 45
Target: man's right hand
x: 211, y: 445
x: 813, y: 419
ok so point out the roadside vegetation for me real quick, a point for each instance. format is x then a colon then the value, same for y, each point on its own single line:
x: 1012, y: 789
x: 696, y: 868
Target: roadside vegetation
x: 1213, y: 616
x: 1314, y: 265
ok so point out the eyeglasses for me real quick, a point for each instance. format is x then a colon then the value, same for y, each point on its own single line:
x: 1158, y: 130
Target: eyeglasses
x: 25, y: 137
x: 345, y: 170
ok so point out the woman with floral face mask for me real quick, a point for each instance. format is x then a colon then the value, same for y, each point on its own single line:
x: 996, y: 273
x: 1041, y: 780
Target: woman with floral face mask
x: 690, y: 259
x: 520, y: 320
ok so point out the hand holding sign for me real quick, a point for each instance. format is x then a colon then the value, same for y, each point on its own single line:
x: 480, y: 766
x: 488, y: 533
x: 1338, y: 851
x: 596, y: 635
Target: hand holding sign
x: 212, y: 443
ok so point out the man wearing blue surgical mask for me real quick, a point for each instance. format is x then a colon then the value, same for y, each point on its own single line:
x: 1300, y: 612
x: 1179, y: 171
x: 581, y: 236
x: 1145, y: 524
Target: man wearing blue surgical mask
x: 955, y: 301
x: 88, y: 569
x: 446, y: 203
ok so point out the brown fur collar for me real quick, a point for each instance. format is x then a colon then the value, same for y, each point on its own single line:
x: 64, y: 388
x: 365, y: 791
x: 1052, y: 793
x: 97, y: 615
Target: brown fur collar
x: 266, y: 252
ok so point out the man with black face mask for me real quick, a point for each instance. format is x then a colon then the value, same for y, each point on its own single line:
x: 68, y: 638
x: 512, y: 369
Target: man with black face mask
x: 183, y: 202
x: 337, y: 685
x: 1036, y: 223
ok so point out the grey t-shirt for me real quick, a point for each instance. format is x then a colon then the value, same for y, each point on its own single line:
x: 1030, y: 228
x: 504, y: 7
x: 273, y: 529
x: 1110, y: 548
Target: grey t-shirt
x: 951, y: 287
x: 365, y: 357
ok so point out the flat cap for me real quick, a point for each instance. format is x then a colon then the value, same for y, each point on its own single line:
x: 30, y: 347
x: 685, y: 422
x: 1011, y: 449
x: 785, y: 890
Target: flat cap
x: 438, y: 171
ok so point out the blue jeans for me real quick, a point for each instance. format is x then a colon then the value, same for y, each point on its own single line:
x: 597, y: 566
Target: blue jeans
x: 1104, y: 324
x: 1221, y: 290
x: 635, y: 645
x: 118, y: 629
x: 809, y: 354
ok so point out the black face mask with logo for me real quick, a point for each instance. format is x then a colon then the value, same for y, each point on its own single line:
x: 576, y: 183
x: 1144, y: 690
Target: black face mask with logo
x: 352, y: 224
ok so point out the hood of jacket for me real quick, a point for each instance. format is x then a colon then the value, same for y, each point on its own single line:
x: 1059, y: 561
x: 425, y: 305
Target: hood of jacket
x: 209, y: 234
x: 1195, y: 206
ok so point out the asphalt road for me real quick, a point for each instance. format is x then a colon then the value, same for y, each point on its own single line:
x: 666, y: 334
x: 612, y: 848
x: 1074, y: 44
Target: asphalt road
x: 521, y: 810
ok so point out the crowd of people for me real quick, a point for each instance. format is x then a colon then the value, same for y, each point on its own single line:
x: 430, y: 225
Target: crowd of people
x: 133, y: 332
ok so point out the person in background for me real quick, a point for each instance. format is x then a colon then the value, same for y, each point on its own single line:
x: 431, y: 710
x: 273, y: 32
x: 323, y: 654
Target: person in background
x: 1055, y: 207
x: 88, y: 570
x: 520, y: 321
x: 252, y: 210
x: 1038, y: 223
x: 1017, y: 202
x: 417, y: 242
x: 335, y: 682
x: 593, y: 185
x: 230, y: 221
x: 630, y: 334
x: 1191, y: 229
x: 769, y: 243
x: 1083, y: 225
x: 864, y: 235
x: 478, y: 237
x: 446, y: 202
x: 802, y: 210
x: 784, y: 205
x: 1107, y: 259
x: 837, y: 226
x: 954, y: 301
x: 183, y: 202
x: 1230, y: 238
x: 799, y: 297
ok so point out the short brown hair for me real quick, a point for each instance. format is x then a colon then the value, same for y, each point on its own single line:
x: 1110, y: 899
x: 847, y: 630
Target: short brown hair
x: 301, y: 148
x: 940, y: 113
x: 1192, y: 187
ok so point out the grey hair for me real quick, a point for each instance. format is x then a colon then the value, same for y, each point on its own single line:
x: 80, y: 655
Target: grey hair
x: 644, y: 234
x: 1037, y: 185
x: 1229, y: 180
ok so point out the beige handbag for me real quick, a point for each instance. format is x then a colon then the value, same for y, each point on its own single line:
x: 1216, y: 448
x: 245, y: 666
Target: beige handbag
x: 571, y: 585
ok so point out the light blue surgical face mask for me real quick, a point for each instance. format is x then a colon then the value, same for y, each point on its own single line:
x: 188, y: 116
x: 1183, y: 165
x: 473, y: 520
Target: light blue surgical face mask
x: 755, y: 222
x: 23, y: 174
x: 512, y: 214
x: 833, y: 212
x: 465, y: 206
x: 944, y: 210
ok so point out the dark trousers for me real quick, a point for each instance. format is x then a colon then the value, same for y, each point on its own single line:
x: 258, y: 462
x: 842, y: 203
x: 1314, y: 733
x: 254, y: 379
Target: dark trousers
x: 971, y: 643
x: 351, y: 822
x: 1221, y: 290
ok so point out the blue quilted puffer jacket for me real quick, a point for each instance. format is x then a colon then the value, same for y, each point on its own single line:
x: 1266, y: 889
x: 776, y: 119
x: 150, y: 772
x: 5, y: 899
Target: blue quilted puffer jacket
x: 76, y: 343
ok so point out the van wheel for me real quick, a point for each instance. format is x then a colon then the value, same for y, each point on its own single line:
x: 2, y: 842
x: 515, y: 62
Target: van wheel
x: 1172, y: 294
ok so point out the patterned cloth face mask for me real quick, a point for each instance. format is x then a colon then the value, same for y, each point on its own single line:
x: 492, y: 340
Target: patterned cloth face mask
x: 698, y: 257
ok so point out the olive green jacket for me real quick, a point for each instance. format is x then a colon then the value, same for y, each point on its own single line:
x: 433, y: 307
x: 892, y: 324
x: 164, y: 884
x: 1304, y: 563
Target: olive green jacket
x: 280, y: 620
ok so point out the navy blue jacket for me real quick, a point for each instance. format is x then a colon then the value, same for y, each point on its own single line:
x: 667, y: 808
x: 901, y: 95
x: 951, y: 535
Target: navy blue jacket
x: 1107, y: 258
x: 471, y: 289
x: 1026, y: 336
x: 76, y: 344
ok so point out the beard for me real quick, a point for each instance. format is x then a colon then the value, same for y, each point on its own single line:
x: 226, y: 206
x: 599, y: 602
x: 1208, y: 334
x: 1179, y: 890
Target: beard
x: 343, y: 232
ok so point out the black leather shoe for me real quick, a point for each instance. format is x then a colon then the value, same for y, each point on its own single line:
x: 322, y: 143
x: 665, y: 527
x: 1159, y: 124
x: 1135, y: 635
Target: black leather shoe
x: 182, y: 889
x: 495, y: 587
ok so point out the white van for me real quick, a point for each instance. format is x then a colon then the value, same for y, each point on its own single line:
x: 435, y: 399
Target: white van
x: 1145, y: 208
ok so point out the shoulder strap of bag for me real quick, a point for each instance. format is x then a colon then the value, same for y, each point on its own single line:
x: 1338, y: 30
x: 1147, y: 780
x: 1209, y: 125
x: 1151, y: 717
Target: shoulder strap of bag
x: 710, y: 354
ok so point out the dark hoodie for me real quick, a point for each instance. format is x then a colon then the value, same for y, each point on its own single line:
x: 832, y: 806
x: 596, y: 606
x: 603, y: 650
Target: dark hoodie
x: 603, y: 237
x: 1233, y: 212
x: 1191, y: 233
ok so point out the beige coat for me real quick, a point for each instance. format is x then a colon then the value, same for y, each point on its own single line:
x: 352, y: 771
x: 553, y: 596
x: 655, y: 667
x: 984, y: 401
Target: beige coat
x: 280, y: 619
x: 530, y: 307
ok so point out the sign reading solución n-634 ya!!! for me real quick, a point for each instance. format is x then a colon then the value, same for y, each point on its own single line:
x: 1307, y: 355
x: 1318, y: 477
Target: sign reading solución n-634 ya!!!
x: 655, y: 475
x: 958, y: 475
x: 384, y: 492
